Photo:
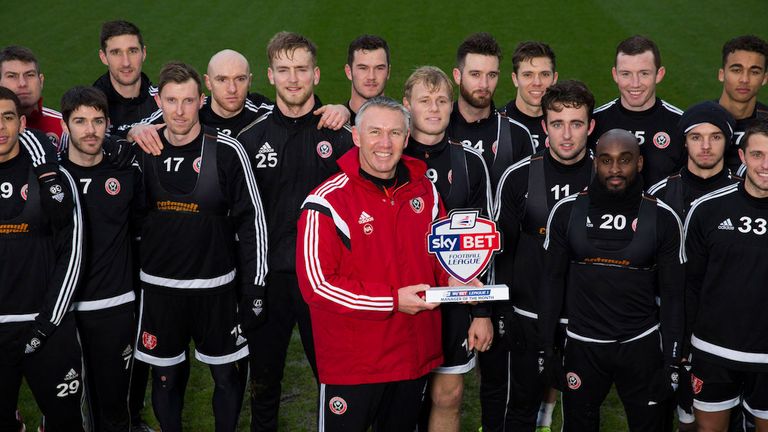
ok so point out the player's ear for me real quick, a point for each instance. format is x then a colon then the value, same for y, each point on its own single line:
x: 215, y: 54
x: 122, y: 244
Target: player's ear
x: 406, y: 104
x: 202, y: 101
x: 660, y: 74
x: 355, y: 136
x: 250, y: 79
x: 143, y: 53
x: 157, y: 99
x: 270, y: 76
x: 591, y: 127
x: 514, y: 79
x: 554, y: 81
x: 22, y: 123
x: 742, y: 156
x: 65, y: 128
x: 103, y: 57
x: 544, y: 126
x: 348, y: 72
x: 721, y: 75
x: 457, y: 76
x: 42, y: 80
x: 207, y: 82
x: 640, y: 163
x: 615, y: 75
x: 317, y: 75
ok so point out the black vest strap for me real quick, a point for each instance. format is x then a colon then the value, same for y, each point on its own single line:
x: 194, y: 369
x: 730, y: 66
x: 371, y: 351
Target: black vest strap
x: 674, y: 195
x: 32, y: 212
x: 460, y: 192
x: 536, y: 208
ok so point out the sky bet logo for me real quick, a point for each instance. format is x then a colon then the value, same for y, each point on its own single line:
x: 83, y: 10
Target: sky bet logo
x: 464, y: 243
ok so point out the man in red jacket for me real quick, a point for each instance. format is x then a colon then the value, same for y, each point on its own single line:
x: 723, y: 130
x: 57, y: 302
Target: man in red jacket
x: 362, y: 265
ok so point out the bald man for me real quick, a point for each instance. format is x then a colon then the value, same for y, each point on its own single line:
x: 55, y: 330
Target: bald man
x: 231, y: 107
x: 614, y: 249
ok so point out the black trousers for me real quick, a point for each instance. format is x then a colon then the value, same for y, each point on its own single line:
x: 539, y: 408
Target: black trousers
x: 108, y: 337
x: 511, y: 388
x: 54, y: 375
x: 268, y: 346
x: 388, y: 407
x: 591, y: 369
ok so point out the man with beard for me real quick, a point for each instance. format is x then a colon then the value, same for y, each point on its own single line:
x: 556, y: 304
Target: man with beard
x: 614, y: 249
x: 510, y: 388
x: 475, y: 121
x: 652, y: 120
x: 290, y: 156
x: 197, y: 280
x: 231, y: 106
x: 708, y: 130
x: 368, y: 69
x: 461, y: 179
x: 533, y: 71
x: 104, y: 303
x: 744, y: 73
x: 20, y: 72
x: 725, y: 304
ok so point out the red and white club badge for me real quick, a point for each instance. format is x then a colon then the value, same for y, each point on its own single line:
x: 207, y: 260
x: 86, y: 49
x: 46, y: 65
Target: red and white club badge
x: 148, y: 340
x: 23, y: 191
x: 324, y: 149
x: 112, y: 186
x: 661, y: 140
x: 337, y: 405
x: 696, y: 384
x: 417, y: 204
x: 573, y: 380
x: 196, y: 164
x: 464, y: 243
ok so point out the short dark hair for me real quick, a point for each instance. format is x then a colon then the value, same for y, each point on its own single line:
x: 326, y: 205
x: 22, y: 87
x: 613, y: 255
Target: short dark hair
x: 529, y: 50
x: 758, y: 126
x: 179, y: 73
x: 20, y: 53
x: 368, y: 43
x: 289, y: 42
x: 636, y: 45
x: 111, y: 29
x: 79, y: 96
x: 8, y: 94
x: 749, y: 43
x: 568, y: 94
x: 477, y: 43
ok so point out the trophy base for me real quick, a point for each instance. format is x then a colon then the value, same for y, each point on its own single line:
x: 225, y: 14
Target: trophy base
x: 460, y: 294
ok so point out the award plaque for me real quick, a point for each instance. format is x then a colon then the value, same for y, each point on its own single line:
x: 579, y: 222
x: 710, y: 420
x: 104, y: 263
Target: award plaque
x: 464, y: 243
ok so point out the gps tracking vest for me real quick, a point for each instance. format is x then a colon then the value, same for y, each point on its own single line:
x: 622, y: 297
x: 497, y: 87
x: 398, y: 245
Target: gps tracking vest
x: 188, y: 236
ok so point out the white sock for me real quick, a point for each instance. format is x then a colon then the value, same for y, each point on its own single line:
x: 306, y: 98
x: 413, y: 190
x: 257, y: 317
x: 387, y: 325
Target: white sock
x: 545, y: 414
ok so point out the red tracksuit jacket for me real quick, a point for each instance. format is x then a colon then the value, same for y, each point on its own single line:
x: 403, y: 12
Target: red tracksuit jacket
x: 357, y: 245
